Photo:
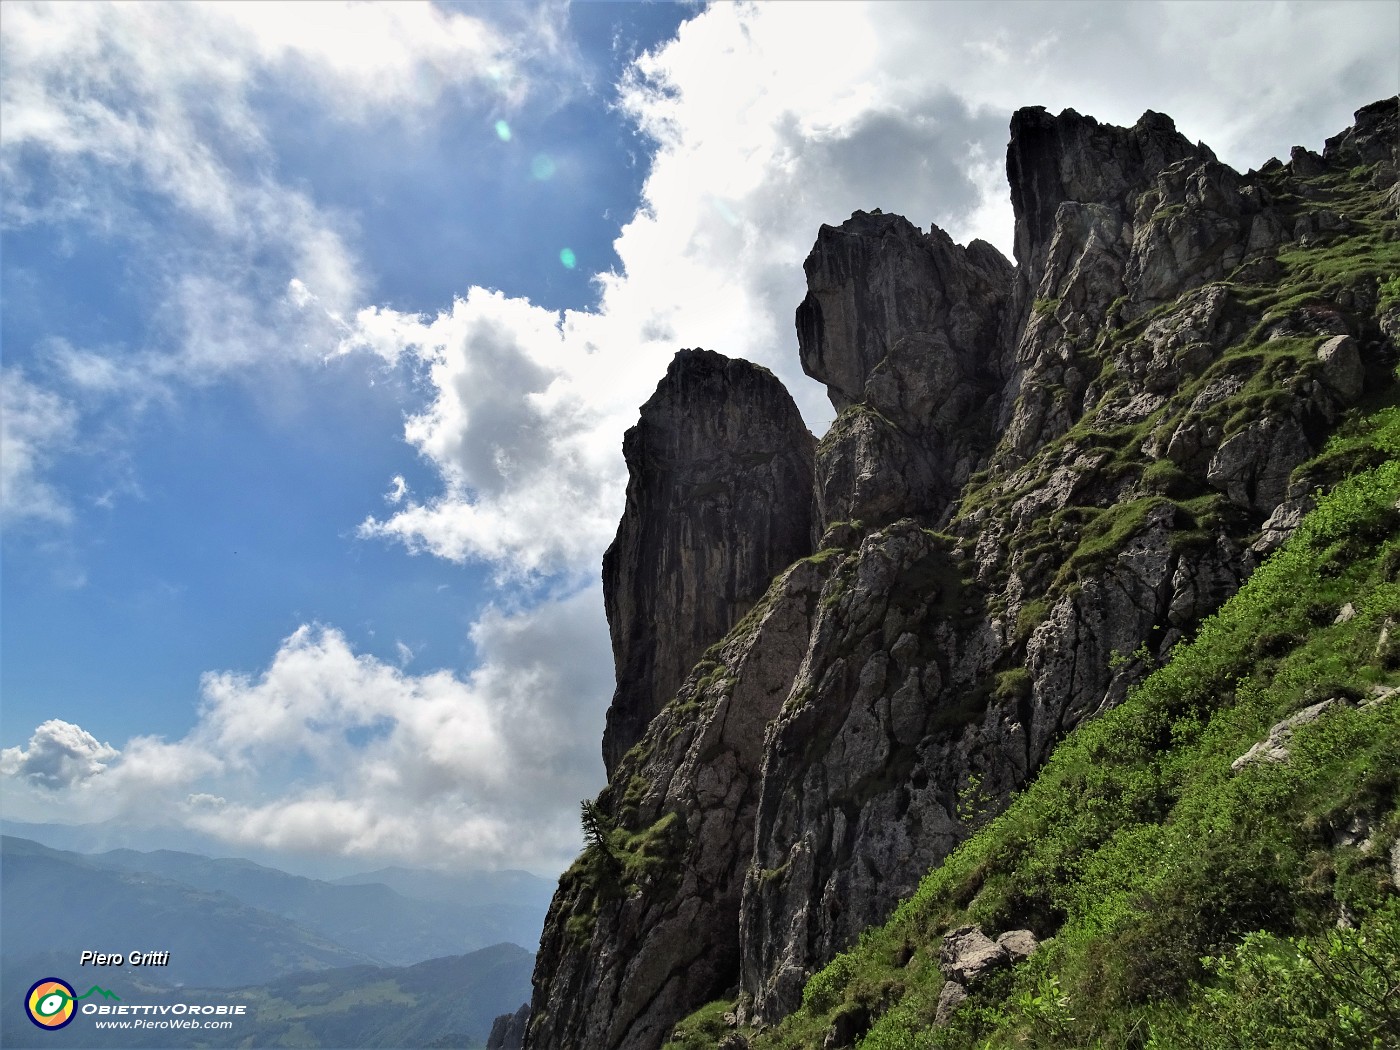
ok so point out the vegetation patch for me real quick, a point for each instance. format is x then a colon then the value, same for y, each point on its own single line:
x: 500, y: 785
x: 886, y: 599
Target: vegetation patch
x: 702, y: 1030
x: 617, y: 862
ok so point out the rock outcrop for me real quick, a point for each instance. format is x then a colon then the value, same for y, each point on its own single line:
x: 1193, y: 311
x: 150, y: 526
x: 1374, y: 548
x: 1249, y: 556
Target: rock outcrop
x: 906, y: 329
x: 645, y: 936
x: 508, y: 1031
x: 718, y: 502
x: 1074, y: 180
x: 1040, y: 479
x: 968, y: 954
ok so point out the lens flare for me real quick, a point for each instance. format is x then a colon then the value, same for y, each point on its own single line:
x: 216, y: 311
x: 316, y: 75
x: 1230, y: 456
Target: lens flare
x: 542, y: 167
x: 567, y: 257
x: 502, y: 131
x: 725, y: 212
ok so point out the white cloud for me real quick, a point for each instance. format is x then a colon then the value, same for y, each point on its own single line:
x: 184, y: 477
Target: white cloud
x: 103, y: 102
x: 163, y: 99
x: 35, y: 426
x: 330, y: 750
x: 523, y: 430
x: 363, y: 58
x: 398, y: 489
x: 149, y: 128
x: 166, y: 89
x: 59, y: 755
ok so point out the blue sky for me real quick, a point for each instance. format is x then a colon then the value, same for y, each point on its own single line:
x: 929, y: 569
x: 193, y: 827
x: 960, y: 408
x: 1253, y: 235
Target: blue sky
x: 311, y: 437
x: 226, y: 504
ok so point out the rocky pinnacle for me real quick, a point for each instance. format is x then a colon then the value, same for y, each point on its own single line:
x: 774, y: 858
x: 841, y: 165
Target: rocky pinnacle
x: 719, y: 500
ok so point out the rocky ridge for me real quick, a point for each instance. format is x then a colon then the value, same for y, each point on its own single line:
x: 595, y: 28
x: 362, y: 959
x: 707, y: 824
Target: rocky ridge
x: 1041, y: 478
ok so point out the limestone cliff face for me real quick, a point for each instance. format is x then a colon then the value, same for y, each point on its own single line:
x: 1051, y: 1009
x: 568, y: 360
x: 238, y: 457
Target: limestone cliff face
x: 1098, y: 170
x: 642, y: 937
x: 1041, y: 478
x: 718, y: 502
x: 908, y: 332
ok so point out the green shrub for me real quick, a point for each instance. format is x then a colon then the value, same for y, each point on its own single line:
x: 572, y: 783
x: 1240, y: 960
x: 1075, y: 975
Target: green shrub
x: 1340, y: 989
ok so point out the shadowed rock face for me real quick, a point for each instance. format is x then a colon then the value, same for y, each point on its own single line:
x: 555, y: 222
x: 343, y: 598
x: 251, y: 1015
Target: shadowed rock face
x: 908, y: 332
x: 1072, y: 158
x: 719, y: 500
x: 508, y: 1031
x: 1040, y: 479
x: 633, y: 952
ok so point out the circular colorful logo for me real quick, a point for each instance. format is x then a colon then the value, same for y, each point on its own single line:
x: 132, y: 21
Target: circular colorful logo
x: 49, y: 1003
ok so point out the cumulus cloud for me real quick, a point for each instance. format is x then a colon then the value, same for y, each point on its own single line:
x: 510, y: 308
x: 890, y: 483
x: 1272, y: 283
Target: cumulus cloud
x: 59, y: 755
x: 332, y: 750
x: 519, y: 430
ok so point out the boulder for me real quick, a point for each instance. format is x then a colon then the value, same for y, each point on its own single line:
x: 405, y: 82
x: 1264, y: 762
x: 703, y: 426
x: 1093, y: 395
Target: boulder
x: 1274, y: 747
x: 968, y: 954
x: 950, y: 998
x: 1019, y: 944
x: 1342, y: 369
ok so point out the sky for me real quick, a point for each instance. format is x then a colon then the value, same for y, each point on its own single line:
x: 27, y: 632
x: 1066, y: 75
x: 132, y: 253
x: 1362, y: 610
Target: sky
x: 320, y: 326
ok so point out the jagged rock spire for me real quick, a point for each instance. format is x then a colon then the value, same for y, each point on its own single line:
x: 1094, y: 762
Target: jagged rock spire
x: 1053, y: 159
x: 719, y: 500
x: 908, y: 332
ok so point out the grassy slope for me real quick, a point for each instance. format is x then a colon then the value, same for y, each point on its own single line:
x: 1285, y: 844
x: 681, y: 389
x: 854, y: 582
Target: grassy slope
x: 1186, y: 905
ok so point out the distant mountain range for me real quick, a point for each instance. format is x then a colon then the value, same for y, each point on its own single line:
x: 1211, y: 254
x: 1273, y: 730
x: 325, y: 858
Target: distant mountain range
x: 111, y: 835
x: 324, y: 963
x: 418, y: 915
x: 396, y: 916
x: 60, y: 904
x: 481, y: 887
x: 441, y: 1003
